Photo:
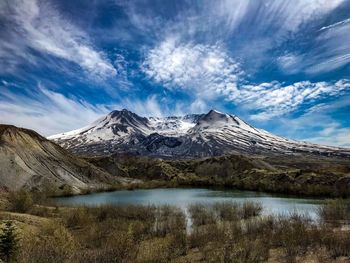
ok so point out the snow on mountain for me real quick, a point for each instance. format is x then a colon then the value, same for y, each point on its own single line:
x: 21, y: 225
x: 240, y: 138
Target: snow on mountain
x: 194, y: 135
x: 174, y: 126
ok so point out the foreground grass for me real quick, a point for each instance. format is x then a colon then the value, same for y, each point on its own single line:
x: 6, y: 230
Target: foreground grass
x: 223, y: 232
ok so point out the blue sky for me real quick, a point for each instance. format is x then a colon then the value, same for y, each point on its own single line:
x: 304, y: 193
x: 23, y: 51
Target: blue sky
x: 283, y: 66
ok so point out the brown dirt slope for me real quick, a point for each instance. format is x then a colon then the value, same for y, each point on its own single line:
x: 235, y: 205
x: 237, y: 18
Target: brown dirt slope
x: 28, y: 160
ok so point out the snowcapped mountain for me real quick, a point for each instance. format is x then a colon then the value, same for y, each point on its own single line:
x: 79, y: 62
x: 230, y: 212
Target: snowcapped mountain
x: 189, y: 136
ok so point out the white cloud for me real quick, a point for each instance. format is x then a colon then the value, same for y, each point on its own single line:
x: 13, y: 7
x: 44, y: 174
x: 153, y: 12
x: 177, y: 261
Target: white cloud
x: 47, y: 112
x: 12, y: 55
x: 262, y: 26
x: 292, y: 14
x: 329, y: 133
x: 285, y: 16
x: 336, y: 137
x: 148, y: 107
x: 323, y: 123
x: 274, y: 99
x: 289, y: 63
x: 208, y: 73
x: 340, y: 23
x: 44, y: 29
x: 332, y: 50
x: 203, y: 69
x: 198, y: 106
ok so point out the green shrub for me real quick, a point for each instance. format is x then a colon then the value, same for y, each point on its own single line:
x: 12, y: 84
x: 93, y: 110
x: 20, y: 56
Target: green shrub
x: 8, y: 242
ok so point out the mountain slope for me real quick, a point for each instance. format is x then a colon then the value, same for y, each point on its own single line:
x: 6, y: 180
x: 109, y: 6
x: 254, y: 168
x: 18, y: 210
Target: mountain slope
x: 29, y: 160
x: 190, y: 136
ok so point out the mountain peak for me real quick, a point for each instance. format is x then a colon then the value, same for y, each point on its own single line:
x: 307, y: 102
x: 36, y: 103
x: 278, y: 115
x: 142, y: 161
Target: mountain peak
x: 214, y: 111
x: 214, y: 116
x: 121, y: 112
x: 213, y: 133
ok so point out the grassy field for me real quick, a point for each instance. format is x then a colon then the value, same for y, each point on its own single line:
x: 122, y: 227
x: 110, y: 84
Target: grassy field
x: 222, y: 232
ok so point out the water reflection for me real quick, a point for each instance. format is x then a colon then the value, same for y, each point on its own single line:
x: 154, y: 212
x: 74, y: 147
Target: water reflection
x: 183, y: 197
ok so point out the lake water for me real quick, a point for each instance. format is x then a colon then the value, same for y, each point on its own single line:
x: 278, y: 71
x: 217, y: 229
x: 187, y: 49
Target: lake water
x: 183, y: 197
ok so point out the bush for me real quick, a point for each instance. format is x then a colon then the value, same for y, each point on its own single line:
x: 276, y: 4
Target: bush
x: 245, y: 250
x: 292, y: 234
x: 338, y: 244
x: 222, y: 232
x: 169, y: 220
x: 77, y: 217
x: 201, y: 214
x: 20, y: 201
x: 335, y: 210
x: 251, y: 209
x: 54, y: 244
x: 227, y: 211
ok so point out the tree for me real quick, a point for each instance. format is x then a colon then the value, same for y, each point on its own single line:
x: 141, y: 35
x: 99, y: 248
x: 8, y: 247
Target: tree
x: 8, y: 242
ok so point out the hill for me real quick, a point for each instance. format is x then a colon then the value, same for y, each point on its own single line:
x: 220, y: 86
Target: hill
x: 30, y: 161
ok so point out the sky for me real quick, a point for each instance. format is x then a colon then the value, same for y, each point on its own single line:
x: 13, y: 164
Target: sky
x: 283, y: 66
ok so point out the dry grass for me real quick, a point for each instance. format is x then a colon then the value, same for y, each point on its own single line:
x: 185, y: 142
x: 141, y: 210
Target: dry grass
x: 223, y: 232
x: 335, y: 211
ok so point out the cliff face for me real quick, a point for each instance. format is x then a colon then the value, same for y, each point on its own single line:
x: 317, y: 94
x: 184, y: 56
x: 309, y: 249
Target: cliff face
x: 29, y: 160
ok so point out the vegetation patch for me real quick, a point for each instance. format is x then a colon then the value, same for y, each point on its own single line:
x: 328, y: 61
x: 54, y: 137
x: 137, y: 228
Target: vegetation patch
x: 222, y: 232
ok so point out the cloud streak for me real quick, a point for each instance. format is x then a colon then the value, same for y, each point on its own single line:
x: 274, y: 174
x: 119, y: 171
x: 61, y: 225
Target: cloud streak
x: 44, y: 29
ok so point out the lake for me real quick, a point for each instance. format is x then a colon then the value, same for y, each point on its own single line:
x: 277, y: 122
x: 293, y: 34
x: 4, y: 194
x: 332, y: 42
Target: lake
x: 183, y: 197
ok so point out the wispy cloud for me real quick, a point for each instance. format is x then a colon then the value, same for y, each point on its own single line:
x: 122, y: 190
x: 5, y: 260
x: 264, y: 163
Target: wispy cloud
x: 46, y: 111
x: 331, y: 52
x: 207, y: 72
x: 332, y: 135
x: 340, y: 23
x: 264, y: 29
x: 147, y: 107
x: 321, y: 123
x: 285, y: 16
x: 274, y: 99
x: 49, y: 112
x: 44, y: 29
